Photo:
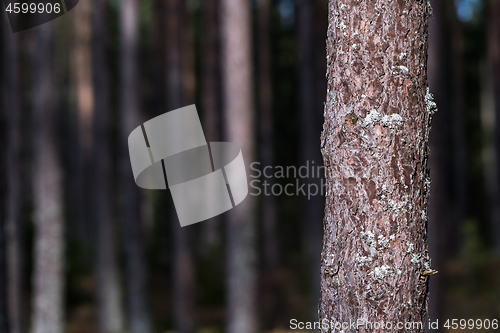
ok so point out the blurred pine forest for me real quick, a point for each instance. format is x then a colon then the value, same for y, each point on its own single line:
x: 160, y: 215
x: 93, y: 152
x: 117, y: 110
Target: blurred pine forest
x: 74, y: 226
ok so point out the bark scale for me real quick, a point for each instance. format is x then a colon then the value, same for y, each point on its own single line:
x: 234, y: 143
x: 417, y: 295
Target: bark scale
x: 375, y: 149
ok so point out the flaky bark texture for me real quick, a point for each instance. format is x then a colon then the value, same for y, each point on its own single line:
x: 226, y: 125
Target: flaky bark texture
x: 374, y: 145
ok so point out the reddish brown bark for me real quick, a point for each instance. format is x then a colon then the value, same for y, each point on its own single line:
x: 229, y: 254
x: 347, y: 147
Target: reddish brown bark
x: 375, y: 149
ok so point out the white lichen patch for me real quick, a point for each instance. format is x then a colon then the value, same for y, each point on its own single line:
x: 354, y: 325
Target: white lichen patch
x: 382, y: 272
x: 394, y: 206
x: 424, y: 215
x: 362, y: 260
x: 372, y: 118
x: 383, y: 242
x: 415, y: 258
x: 430, y: 103
x: 392, y: 121
x: 368, y: 237
x: 403, y: 69
x: 402, y: 56
x: 410, y: 247
x: 392, y: 237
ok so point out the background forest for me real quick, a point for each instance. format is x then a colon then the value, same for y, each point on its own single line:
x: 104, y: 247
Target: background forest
x: 82, y: 249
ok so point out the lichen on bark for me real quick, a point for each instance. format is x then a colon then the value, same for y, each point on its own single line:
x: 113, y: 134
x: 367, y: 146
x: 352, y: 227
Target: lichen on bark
x: 375, y: 150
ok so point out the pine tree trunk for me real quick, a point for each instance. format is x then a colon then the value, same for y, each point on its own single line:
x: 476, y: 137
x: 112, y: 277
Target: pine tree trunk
x: 374, y: 145
x: 134, y: 238
x: 109, y: 294
x: 239, y: 126
x: 48, y: 273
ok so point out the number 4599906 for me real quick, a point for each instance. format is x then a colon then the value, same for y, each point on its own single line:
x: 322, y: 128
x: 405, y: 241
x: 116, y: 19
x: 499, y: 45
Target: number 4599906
x: 454, y: 324
x: 25, y: 7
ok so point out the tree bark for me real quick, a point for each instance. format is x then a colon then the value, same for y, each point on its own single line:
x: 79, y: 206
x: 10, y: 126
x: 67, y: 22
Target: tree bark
x: 134, y: 238
x: 239, y: 126
x: 48, y: 274
x: 375, y: 149
x: 109, y: 294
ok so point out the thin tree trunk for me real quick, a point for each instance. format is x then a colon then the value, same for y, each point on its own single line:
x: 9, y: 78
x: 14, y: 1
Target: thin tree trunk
x: 48, y: 273
x: 109, y: 294
x: 310, y: 115
x: 81, y: 61
x: 374, y: 144
x: 269, y: 218
x: 494, y: 60
x: 15, y: 229
x: 180, y: 73
x: 239, y: 126
x: 439, y: 203
x: 211, y: 97
x: 458, y: 129
x: 134, y: 238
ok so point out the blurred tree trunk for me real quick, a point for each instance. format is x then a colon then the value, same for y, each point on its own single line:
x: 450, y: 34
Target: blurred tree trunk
x: 458, y: 129
x: 269, y: 218
x: 81, y: 77
x: 310, y: 129
x: 137, y: 286
x: 4, y: 120
x: 439, y: 202
x: 181, y: 90
x: 109, y: 294
x: 494, y: 60
x: 211, y: 95
x: 15, y: 226
x: 48, y: 273
x: 239, y: 126
x: 374, y: 144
